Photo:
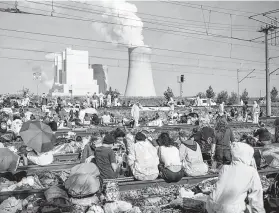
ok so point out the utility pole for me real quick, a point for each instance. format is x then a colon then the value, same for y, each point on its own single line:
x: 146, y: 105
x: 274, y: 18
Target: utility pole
x: 238, y: 95
x: 270, y: 26
x: 265, y: 30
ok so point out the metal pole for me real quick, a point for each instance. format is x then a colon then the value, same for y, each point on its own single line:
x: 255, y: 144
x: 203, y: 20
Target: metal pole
x: 238, y: 87
x: 181, y: 92
x: 268, y: 100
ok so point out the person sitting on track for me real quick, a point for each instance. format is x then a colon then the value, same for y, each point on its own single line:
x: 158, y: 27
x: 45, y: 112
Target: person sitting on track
x: 143, y: 159
x: 263, y: 134
x: 191, y: 156
x: 170, y: 166
x: 106, y: 159
x: 235, y: 182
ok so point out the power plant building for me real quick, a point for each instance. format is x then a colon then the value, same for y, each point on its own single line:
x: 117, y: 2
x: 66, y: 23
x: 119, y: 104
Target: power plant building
x: 100, y: 73
x: 72, y: 74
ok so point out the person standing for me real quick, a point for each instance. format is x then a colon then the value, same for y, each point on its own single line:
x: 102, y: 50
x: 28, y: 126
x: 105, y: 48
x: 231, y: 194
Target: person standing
x: 108, y: 100
x: 221, y: 108
x: 220, y: 150
x: 88, y: 99
x: 135, y: 112
x: 44, y: 102
x: 101, y: 99
x: 245, y: 111
x: 256, y: 112
x: 95, y: 100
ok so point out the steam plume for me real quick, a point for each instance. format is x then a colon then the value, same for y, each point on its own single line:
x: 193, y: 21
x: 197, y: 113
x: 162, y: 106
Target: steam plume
x: 122, y: 25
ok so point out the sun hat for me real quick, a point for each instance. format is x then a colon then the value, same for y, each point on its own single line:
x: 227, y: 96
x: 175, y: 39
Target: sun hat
x: 108, y: 139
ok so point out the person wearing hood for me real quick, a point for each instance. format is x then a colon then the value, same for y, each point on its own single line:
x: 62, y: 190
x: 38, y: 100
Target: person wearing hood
x: 143, y: 159
x: 235, y: 182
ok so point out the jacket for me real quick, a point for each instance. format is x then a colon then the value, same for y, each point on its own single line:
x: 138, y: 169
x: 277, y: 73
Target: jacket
x: 236, y: 182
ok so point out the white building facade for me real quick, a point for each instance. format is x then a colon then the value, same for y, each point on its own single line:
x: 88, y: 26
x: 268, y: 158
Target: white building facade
x: 72, y: 74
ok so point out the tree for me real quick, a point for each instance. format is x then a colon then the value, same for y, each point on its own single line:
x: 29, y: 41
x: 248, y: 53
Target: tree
x: 233, y: 98
x: 244, y: 96
x: 168, y: 94
x: 201, y: 95
x: 274, y: 94
x: 222, y: 97
x: 210, y: 93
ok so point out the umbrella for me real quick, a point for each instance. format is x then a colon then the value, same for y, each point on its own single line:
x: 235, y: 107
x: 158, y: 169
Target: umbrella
x: 37, y: 136
x: 90, y: 111
x: 8, y: 161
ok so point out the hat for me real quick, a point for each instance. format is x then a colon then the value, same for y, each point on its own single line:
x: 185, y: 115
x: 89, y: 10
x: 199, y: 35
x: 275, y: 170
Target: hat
x: 108, y: 139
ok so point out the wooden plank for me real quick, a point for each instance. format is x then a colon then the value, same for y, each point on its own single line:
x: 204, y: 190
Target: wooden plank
x: 52, y: 167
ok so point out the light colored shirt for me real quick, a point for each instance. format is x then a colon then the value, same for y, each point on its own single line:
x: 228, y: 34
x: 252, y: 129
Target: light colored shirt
x: 169, y: 156
x: 192, y: 161
x: 144, y: 161
x: 106, y: 119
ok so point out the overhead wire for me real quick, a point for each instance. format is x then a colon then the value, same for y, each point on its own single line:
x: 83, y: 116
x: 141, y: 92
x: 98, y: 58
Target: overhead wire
x: 155, y: 48
x: 123, y: 59
x: 156, y: 69
x: 119, y: 50
x: 195, y: 32
x: 166, y: 31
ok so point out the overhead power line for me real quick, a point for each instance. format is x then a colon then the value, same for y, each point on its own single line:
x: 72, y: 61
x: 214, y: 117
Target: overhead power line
x: 168, y: 31
x: 154, y: 48
x: 119, y: 50
x: 122, y: 59
x: 155, y: 69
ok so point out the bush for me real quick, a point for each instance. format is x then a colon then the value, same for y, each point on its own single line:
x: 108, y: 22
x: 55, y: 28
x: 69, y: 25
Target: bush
x: 233, y: 99
x: 201, y: 95
x: 168, y: 94
x: 210, y: 93
x: 222, y: 97
x: 244, y: 96
x: 274, y: 94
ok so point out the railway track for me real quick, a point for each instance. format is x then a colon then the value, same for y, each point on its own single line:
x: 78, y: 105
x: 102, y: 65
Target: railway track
x: 177, y: 127
x: 125, y: 184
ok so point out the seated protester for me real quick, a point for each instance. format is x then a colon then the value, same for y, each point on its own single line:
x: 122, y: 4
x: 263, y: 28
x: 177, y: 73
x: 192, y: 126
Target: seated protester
x: 88, y: 152
x: 105, y: 158
x: 106, y: 118
x: 143, y: 159
x: 191, y: 156
x: 170, y: 166
x: 235, y: 182
x: 16, y: 125
x: 257, y: 154
x: 119, y: 136
x: 87, y: 119
x: 53, y: 124
x: 30, y: 157
x: 263, y: 134
x: 95, y: 120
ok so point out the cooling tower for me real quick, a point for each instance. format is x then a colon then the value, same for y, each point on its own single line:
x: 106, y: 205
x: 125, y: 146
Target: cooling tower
x: 140, y: 79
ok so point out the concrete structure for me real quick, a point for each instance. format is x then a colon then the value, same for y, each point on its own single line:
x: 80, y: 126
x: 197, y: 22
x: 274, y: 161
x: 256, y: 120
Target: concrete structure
x: 100, y: 73
x: 72, y: 74
x: 140, y: 79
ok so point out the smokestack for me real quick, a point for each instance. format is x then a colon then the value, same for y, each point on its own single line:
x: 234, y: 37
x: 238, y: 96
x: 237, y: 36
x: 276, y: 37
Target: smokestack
x: 140, y: 79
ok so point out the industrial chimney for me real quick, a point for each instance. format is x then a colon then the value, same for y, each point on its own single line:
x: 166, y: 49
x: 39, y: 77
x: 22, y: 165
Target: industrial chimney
x: 140, y: 79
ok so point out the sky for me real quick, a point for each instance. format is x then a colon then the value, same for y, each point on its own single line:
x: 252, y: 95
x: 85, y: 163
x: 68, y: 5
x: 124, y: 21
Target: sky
x: 175, y: 31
